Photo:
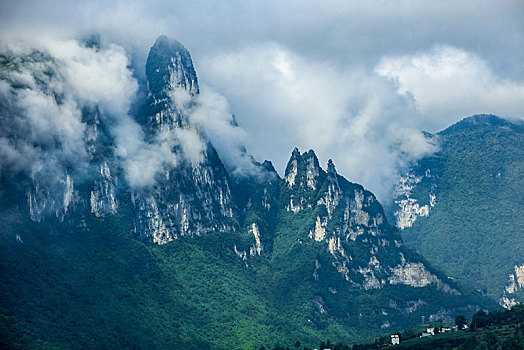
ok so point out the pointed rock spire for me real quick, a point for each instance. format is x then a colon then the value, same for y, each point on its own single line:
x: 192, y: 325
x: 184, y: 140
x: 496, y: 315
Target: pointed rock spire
x: 268, y: 166
x: 169, y: 66
x: 331, y: 168
x: 312, y: 169
x: 295, y: 154
x: 292, y: 167
x: 303, y: 170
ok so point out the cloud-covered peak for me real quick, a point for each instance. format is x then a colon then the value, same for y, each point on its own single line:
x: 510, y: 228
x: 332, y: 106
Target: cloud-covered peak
x: 169, y: 66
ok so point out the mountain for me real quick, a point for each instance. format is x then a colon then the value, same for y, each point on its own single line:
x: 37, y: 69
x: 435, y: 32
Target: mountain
x: 198, y: 257
x: 461, y: 208
x: 194, y: 197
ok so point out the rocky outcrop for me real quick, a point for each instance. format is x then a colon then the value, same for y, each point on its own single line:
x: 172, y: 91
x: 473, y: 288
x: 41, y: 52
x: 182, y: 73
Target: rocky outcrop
x: 303, y: 176
x: 515, y: 283
x: 103, y: 196
x: 349, y: 221
x: 408, y: 209
x: 194, y: 196
x: 57, y: 198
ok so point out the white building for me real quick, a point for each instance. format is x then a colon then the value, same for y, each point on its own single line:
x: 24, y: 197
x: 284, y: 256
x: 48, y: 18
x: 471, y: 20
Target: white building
x: 395, y: 339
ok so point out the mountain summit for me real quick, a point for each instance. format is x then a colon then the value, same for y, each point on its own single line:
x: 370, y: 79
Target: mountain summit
x: 192, y: 197
x: 169, y: 66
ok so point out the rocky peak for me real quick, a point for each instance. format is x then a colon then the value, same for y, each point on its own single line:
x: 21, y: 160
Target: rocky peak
x: 292, y: 168
x: 312, y: 169
x: 303, y: 170
x: 194, y: 197
x: 268, y: 166
x: 332, y: 172
x: 169, y: 66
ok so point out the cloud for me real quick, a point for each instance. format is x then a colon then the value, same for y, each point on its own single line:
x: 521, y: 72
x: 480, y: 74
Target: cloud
x: 343, y: 32
x: 447, y: 82
x: 98, y: 77
x: 368, y: 121
x: 45, y: 89
x: 41, y: 125
x: 143, y: 161
x: 356, y: 118
x: 212, y: 115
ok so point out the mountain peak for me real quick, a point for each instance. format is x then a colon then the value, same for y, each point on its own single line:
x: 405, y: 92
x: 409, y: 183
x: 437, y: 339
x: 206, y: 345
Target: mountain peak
x: 481, y: 121
x: 303, y: 170
x: 331, y: 168
x: 169, y: 66
x: 268, y: 166
x: 295, y: 154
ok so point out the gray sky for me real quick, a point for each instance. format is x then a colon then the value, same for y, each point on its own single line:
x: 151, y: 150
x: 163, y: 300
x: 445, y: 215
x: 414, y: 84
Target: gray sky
x: 354, y: 80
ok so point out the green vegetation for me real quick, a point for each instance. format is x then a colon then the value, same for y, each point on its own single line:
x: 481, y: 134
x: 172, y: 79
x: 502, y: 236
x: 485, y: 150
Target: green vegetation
x: 474, y: 232
x: 92, y: 283
x: 495, y: 330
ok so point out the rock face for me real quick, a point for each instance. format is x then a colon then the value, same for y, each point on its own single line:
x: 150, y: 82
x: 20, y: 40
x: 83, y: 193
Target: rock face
x: 408, y: 209
x: 350, y: 223
x: 515, y: 284
x: 103, y: 196
x: 194, y: 196
x: 463, y: 199
x: 169, y: 66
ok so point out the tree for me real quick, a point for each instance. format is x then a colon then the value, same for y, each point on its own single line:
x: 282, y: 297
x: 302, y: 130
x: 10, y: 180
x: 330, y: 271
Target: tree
x: 297, y: 344
x: 479, y: 320
x: 460, y: 321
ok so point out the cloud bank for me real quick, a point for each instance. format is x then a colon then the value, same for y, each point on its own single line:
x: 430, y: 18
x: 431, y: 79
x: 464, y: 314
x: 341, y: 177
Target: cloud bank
x: 355, y: 117
x: 448, y: 81
x: 45, y: 94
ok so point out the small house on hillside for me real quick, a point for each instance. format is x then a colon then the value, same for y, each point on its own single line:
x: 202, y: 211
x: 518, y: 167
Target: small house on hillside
x: 395, y: 339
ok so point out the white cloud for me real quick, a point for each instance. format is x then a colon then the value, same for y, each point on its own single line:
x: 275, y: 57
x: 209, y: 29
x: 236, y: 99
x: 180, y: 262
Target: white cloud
x: 43, y: 132
x: 100, y: 77
x: 448, y: 82
x: 354, y: 117
x: 211, y: 114
x: 41, y: 127
x: 142, y: 161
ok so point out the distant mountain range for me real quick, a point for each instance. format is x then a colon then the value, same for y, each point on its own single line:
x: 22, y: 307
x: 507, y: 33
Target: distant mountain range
x: 206, y: 258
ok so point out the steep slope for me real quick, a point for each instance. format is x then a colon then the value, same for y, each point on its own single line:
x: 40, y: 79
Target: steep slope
x: 341, y: 259
x: 192, y: 197
x: 197, y: 258
x: 461, y: 208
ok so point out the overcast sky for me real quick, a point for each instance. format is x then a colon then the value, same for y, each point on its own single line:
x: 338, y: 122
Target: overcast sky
x: 354, y: 80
